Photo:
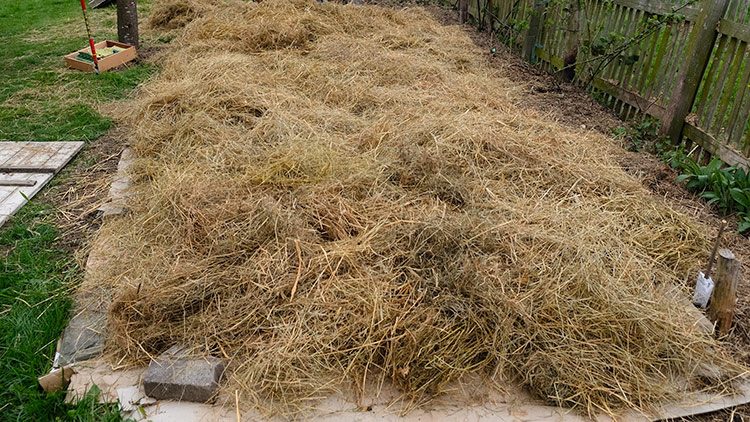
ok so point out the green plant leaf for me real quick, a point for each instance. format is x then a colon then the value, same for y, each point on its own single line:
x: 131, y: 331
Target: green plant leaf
x: 741, y: 197
x: 683, y: 177
x: 710, y: 196
x: 744, y: 226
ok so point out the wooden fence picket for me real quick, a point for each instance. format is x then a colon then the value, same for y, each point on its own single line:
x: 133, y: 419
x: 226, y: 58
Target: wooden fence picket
x: 688, y: 65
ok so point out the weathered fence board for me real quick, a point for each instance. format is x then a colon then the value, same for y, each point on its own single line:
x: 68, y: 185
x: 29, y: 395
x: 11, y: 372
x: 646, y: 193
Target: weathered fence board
x: 735, y: 30
x: 690, y: 11
x: 722, y: 107
x: 684, y: 62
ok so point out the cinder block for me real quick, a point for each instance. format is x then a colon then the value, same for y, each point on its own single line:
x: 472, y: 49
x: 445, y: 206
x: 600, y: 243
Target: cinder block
x: 176, y: 375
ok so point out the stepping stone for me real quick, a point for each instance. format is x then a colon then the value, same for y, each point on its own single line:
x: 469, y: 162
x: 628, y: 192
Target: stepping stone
x: 86, y: 332
x: 177, y: 375
x: 25, y: 167
x: 83, y: 338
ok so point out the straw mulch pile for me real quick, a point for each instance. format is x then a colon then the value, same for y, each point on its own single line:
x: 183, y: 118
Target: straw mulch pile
x: 175, y: 14
x: 330, y: 196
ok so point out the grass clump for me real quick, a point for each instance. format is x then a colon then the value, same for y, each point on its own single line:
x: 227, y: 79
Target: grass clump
x: 331, y: 195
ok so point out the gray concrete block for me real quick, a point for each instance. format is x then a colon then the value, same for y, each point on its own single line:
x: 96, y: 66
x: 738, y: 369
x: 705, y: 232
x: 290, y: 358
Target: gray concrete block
x: 85, y: 334
x: 83, y: 338
x: 177, y: 375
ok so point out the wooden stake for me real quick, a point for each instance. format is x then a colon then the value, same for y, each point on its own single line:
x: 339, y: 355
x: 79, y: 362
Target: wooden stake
x: 712, y: 258
x: 724, y: 298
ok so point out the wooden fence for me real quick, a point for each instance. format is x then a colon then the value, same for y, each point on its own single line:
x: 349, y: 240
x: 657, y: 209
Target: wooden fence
x: 683, y: 62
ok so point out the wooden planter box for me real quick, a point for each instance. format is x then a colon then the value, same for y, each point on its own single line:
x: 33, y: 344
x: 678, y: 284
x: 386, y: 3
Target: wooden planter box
x: 105, y: 63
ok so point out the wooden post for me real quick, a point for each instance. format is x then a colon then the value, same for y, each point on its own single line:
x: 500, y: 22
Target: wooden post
x: 724, y: 298
x: 488, y: 12
x: 532, y: 35
x: 697, y: 53
x: 463, y: 10
x: 480, y: 17
x: 572, y: 41
x: 127, y: 22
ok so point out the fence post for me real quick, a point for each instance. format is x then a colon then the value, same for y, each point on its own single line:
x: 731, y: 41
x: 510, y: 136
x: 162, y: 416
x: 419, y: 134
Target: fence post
x: 463, y: 10
x: 724, y: 299
x: 572, y: 40
x: 697, y: 54
x: 488, y: 11
x: 535, y: 27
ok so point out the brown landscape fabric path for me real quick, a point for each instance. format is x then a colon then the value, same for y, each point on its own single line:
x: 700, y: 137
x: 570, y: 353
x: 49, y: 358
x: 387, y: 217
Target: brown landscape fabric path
x: 329, y: 195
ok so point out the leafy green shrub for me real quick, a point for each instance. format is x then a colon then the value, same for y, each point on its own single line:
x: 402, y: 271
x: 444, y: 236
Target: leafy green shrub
x: 640, y: 135
x: 725, y: 187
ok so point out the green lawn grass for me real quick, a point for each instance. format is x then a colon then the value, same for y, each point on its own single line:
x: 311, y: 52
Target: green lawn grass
x: 35, y: 278
x: 42, y: 100
x: 39, y: 98
x: 32, y: 305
